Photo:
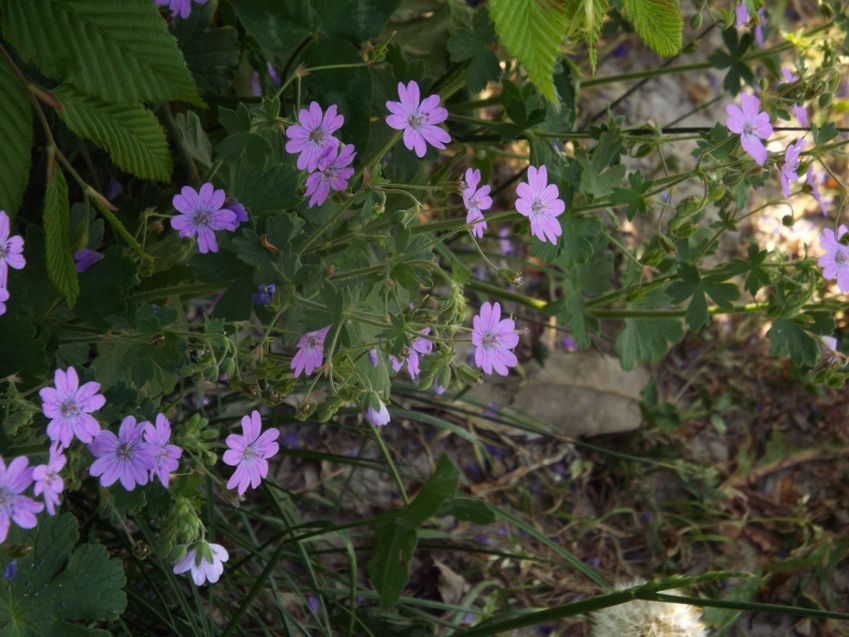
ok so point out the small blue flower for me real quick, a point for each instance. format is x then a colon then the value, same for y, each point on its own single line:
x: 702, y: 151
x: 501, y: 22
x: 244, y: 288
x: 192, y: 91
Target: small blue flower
x: 9, y: 571
x: 265, y: 294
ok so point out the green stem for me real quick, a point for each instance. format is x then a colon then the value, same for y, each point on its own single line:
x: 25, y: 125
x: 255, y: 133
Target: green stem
x: 392, y: 468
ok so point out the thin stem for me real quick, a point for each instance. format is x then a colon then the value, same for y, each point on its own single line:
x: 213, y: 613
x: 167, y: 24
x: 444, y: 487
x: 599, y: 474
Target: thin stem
x: 392, y: 468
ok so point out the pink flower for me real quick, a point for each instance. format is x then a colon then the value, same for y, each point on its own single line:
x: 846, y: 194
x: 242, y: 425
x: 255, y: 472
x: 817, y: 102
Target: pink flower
x: 201, y: 214
x: 814, y: 180
x: 410, y: 356
x: 14, y: 507
x: 494, y: 339
x: 333, y: 171
x: 125, y: 457
x: 801, y: 114
x: 418, y: 119
x: 205, y: 561
x: 11, y: 250
x: 166, y: 456
x: 4, y: 298
x: 742, y: 13
x: 540, y: 202
x: 476, y: 201
x: 504, y: 240
x: 310, y: 354
x: 47, y: 479
x: 313, y: 134
x: 377, y: 417
x: 751, y: 124
x: 69, y: 407
x: 759, y: 27
x: 791, y: 165
x: 835, y: 261
x: 249, y: 453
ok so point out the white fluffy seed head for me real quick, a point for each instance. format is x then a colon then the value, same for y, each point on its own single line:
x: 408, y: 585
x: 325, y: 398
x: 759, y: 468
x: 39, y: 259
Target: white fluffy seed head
x: 640, y: 618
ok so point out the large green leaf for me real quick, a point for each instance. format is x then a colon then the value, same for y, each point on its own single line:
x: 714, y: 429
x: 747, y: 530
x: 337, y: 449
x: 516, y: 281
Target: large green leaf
x: 42, y: 597
x: 130, y: 133
x: 658, y: 23
x: 356, y: 20
x: 278, y: 26
x: 118, y: 50
x: 16, y: 133
x: 646, y: 340
x: 212, y: 54
x: 532, y: 30
x: 60, y: 261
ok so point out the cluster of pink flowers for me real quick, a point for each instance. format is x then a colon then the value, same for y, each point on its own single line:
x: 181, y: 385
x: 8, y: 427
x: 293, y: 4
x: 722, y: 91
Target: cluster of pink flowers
x: 319, y: 152
x: 11, y: 256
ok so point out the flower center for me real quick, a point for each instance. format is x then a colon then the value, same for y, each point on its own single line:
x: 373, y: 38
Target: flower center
x: 69, y: 408
x: 5, y: 498
x: 124, y: 451
x: 416, y: 119
x: 317, y: 136
x: 489, y: 340
x: 4, y: 250
x: 201, y: 217
x: 312, y: 341
x: 537, y: 206
x: 842, y: 257
x: 747, y: 128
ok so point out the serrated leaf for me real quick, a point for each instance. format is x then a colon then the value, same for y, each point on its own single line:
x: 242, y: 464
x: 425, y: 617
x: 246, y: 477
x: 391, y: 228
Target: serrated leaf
x: 57, y: 239
x: 646, y: 340
x: 690, y: 283
x: 585, y: 17
x: 42, y: 596
x: 658, y: 23
x: 130, y: 133
x: 533, y: 31
x: 117, y: 50
x: 16, y: 133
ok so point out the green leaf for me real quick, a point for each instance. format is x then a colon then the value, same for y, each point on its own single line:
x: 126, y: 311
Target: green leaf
x: 117, y: 50
x: 738, y: 70
x: 43, y: 595
x: 211, y: 54
x: 658, y: 23
x: 130, y: 133
x: 355, y: 20
x: 60, y: 260
x: 468, y: 509
x: 532, y: 31
x: 646, y: 340
x: 691, y: 283
x: 475, y: 45
x: 389, y: 569
x: 440, y: 488
x: 278, y: 26
x: 16, y: 133
x: 585, y: 17
x: 634, y: 197
x: 787, y: 338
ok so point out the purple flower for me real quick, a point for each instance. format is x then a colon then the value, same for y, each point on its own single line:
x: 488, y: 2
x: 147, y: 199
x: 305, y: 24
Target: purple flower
x: 238, y: 209
x: 113, y: 189
x: 273, y: 75
x: 125, y: 457
x: 801, y: 114
x: 476, y: 201
x: 835, y: 261
x: 751, y: 124
x: 504, y: 240
x: 813, y: 180
x: 313, y: 135
x: 788, y: 75
x: 69, y: 407
x: 759, y: 27
x: 4, y: 297
x: 254, y: 86
x: 166, y: 457
x: 86, y: 258
x: 418, y: 119
x: 14, y: 507
x: 205, y: 561
x: 377, y: 417
x: 9, y: 571
x: 11, y: 250
x: 201, y: 214
x: 411, y: 355
x: 47, y: 479
x: 791, y: 165
x: 333, y: 171
x: 249, y: 453
x: 830, y: 344
x: 494, y: 338
x: 310, y: 354
x: 372, y: 357
x: 540, y: 202
x: 437, y: 388
x: 742, y: 12
x: 314, y: 604
x: 180, y: 8
x: 265, y: 295
x: 569, y: 344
